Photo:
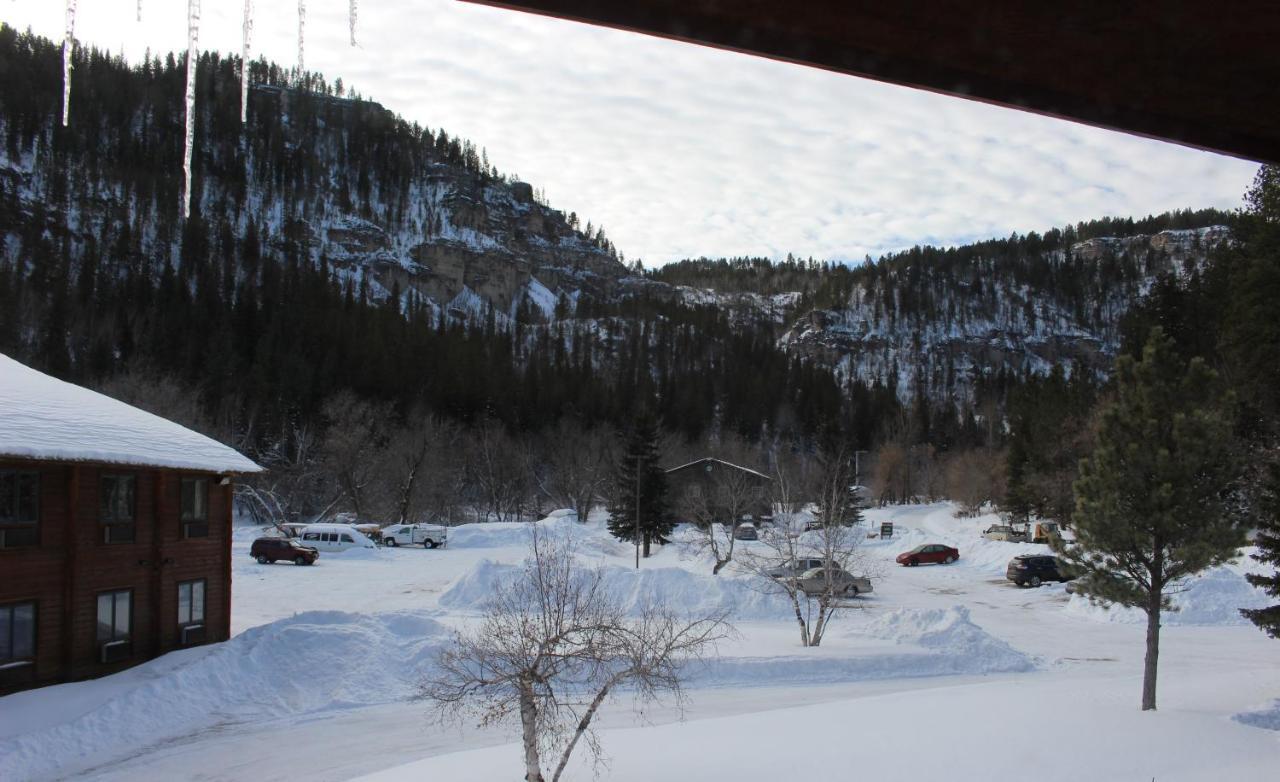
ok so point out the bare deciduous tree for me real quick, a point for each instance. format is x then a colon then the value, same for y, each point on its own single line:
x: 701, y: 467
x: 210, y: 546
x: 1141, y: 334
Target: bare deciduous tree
x: 839, y: 546
x: 553, y: 647
x: 353, y: 445
x: 716, y: 508
x: 579, y: 462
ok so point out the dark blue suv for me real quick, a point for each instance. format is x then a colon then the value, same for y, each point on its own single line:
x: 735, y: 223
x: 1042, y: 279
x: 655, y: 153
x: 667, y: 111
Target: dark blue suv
x: 1034, y: 569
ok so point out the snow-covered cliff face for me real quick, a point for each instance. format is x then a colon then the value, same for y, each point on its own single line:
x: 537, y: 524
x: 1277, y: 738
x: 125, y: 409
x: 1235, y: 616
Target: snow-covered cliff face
x: 316, y: 178
x: 973, y: 321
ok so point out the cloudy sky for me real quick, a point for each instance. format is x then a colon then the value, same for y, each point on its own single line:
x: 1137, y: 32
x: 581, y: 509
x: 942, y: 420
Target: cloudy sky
x: 680, y: 150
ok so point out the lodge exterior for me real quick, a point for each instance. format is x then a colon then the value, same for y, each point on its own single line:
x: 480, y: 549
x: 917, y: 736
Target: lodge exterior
x: 702, y: 482
x: 109, y: 556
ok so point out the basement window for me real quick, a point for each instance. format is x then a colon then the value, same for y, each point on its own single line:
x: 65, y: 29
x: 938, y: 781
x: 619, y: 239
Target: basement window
x: 19, y: 508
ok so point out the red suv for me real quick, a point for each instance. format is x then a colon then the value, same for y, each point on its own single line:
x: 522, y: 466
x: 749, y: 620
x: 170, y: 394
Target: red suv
x: 930, y: 552
x: 268, y: 550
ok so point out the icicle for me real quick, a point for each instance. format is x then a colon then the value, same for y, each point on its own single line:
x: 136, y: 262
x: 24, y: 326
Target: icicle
x: 193, y: 59
x: 351, y: 20
x: 247, y: 31
x: 68, y: 44
x: 302, y: 27
x: 139, y: 10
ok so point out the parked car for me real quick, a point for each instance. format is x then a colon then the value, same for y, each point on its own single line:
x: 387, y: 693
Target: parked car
x: 930, y: 552
x: 746, y: 531
x: 269, y: 550
x: 796, y: 566
x: 334, y: 537
x: 1005, y: 532
x: 1034, y: 569
x: 815, y: 582
x: 425, y: 535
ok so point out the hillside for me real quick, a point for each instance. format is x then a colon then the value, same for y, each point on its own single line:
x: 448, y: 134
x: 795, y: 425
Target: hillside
x: 336, y: 247
x: 320, y: 177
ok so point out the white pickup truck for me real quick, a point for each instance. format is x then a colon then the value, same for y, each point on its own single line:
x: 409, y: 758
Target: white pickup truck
x: 426, y: 535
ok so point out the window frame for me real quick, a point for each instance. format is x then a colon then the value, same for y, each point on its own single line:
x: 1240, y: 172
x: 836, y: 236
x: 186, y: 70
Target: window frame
x: 191, y: 619
x: 115, y: 605
x: 194, y: 526
x: 28, y: 529
x: 7, y: 656
x: 109, y: 521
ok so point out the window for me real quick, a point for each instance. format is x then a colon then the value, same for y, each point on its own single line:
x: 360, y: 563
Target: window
x: 19, y: 508
x: 347, y: 539
x: 17, y: 633
x: 117, y: 510
x: 114, y: 614
x: 195, y: 507
x: 190, y: 603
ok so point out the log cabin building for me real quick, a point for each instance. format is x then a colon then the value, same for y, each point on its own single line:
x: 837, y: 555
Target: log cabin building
x: 712, y: 490
x: 115, y: 532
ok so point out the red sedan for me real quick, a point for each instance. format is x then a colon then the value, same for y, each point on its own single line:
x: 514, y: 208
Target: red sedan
x: 930, y: 552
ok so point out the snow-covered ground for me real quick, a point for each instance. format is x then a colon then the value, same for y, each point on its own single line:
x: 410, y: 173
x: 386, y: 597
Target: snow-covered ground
x: 943, y: 670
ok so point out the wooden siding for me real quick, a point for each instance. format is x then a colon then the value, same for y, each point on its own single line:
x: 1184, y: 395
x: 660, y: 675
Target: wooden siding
x: 72, y: 565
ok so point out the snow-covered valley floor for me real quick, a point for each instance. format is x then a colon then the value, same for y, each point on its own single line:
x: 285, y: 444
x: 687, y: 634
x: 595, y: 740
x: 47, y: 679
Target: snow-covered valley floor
x: 943, y: 670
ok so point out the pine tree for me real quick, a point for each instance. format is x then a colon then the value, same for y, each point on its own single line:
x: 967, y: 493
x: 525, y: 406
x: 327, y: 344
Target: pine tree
x: 1151, y: 500
x: 1268, y: 543
x: 640, y: 486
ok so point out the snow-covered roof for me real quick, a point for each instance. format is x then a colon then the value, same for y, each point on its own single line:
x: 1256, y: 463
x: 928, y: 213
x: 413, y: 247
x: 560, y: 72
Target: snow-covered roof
x: 42, y: 417
x: 721, y: 461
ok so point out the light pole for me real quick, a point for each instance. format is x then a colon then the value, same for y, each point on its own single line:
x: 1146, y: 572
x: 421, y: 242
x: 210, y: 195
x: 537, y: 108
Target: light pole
x: 637, y: 511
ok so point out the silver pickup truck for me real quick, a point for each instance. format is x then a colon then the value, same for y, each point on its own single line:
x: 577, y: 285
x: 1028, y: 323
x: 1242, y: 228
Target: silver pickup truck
x: 425, y: 535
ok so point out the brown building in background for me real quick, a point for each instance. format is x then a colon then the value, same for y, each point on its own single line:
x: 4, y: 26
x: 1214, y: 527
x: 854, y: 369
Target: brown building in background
x: 713, y: 491
x: 115, y: 532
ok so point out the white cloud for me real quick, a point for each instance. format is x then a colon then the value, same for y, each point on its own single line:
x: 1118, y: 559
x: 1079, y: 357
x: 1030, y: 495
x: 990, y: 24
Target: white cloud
x: 681, y: 150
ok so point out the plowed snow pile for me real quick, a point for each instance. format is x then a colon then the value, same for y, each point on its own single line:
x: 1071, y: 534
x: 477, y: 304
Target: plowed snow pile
x: 687, y: 592
x: 315, y: 661
x: 952, y: 633
x: 905, y: 644
x: 1214, y: 597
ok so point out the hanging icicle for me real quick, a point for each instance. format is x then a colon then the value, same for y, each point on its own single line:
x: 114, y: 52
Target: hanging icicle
x: 302, y: 28
x: 139, y: 10
x: 351, y: 20
x: 193, y: 59
x: 68, y: 44
x: 247, y: 36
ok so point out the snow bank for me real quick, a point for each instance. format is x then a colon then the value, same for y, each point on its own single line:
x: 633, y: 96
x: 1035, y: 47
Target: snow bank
x: 695, y: 594
x: 1214, y: 597
x: 950, y: 633
x: 42, y: 417
x: 499, y: 534
x: 316, y: 661
x: 904, y: 644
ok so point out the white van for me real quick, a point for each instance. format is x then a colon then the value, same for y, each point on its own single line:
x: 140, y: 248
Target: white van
x: 334, y: 537
x: 426, y: 535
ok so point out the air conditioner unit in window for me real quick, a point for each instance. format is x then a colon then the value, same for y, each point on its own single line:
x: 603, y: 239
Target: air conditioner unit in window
x: 192, y: 634
x: 115, y: 651
x: 15, y: 673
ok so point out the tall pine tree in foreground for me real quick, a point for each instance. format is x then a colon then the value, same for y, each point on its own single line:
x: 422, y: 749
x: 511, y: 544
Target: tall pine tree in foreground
x: 640, y: 486
x: 1268, y: 542
x: 1151, y: 500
